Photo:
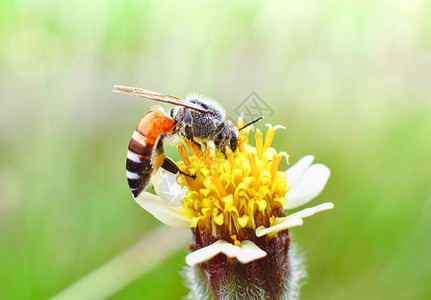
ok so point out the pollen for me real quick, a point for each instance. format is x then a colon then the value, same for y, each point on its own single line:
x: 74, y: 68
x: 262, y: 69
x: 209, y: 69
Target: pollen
x: 236, y: 192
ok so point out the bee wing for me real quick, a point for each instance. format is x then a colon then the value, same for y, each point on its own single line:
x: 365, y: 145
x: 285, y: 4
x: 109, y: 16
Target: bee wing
x: 138, y: 92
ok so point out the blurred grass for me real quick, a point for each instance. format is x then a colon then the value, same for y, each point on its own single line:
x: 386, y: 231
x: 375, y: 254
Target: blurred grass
x: 350, y: 80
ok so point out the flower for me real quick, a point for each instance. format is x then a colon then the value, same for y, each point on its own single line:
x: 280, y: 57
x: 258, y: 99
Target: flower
x: 236, y: 209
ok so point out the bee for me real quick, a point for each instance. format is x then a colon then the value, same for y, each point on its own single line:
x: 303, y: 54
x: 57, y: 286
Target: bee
x: 197, y: 119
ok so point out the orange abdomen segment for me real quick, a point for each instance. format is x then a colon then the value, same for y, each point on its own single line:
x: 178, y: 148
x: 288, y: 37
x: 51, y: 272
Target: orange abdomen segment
x: 154, y: 123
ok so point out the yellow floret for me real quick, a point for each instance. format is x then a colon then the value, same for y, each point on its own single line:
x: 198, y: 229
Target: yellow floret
x: 243, y: 190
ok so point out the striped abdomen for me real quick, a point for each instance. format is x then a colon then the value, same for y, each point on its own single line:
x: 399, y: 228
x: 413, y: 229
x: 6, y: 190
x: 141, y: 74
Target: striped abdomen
x: 139, y: 157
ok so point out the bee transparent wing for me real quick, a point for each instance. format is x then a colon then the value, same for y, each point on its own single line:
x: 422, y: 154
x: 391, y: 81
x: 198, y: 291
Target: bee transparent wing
x: 138, y: 92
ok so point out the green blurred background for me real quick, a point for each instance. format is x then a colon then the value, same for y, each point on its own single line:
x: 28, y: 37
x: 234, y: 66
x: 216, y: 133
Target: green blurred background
x: 351, y: 80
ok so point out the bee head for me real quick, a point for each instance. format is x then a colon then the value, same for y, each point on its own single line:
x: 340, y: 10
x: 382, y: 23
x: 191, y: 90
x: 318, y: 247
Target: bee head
x: 227, y: 137
x: 232, y: 133
x: 233, y: 141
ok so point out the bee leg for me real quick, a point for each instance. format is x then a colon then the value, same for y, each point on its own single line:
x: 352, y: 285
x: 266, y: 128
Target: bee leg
x: 159, y: 152
x: 170, y: 166
x: 188, y: 129
x: 159, y: 158
x: 222, y: 147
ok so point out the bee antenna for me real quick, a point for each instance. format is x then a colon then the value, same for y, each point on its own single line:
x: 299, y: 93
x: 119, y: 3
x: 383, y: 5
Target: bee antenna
x: 250, y: 123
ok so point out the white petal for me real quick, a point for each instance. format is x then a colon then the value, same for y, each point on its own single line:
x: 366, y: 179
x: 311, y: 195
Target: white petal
x: 166, y: 187
x: 246, y: 252
x: 289, y: 223
x: 170, y: 215
x: 155, y: 180
x: 310, y: 184
x: 293, y: 220
x: 204, y: 254
x: 307, y: 212
x: 294, y: 173
x: 170, y: 191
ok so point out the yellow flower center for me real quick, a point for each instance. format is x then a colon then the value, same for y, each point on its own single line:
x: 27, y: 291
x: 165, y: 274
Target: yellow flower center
x: 246, y: 190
